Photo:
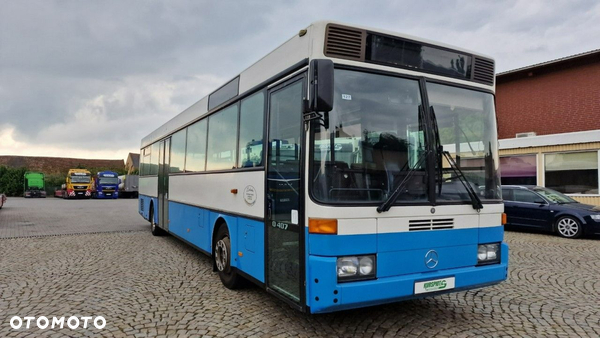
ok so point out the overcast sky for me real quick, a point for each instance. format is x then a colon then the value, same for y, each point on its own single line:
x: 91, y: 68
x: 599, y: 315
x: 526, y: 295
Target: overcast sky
x: 91, y: 78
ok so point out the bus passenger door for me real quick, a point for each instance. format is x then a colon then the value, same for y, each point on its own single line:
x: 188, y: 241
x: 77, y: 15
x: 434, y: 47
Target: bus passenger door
x: 164, y: 156
x: 283, y: 221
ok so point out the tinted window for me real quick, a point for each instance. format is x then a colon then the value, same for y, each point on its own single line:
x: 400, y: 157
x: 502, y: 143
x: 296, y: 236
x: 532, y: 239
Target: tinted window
x: 415, y: 55
x: 178, y: 151
x: 526, y: 196
x: 224, y: 93
x: 251, y: 131
x: 195, y: 156
x: 507, y: 194
x: 573, y: 173
x: 222, y: 131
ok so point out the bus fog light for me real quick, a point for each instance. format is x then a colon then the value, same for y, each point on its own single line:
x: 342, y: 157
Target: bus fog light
x: 347, y: 266
x: 488, y: 253
x: 366, y: 265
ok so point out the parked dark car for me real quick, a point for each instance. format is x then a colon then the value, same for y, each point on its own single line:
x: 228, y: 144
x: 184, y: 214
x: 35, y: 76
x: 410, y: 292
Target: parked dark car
x: 528, y: 206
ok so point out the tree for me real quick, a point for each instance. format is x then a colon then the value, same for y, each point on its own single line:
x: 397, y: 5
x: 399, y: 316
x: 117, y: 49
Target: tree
x: 12, y: 180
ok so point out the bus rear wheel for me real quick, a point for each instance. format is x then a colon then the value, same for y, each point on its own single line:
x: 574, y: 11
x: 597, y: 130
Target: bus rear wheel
x: 222, y: 257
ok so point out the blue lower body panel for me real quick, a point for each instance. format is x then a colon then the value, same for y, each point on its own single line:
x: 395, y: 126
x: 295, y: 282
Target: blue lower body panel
x: 400, y: 264
x: 144, y: 207
x: 196, y: 226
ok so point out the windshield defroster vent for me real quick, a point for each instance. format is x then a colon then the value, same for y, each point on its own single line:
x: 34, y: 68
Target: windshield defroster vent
x: 483, y: 71
x: 430, y: 224
x: 345, y: 43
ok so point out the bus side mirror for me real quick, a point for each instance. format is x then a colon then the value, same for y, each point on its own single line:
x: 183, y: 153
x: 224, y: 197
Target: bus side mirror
x: 320, y: 86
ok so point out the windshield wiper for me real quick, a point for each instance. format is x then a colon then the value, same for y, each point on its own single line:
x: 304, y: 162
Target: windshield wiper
x: 475, y: 200
x: 387, y: 204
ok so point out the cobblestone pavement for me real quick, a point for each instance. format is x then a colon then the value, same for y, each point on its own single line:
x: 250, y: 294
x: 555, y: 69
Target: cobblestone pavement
x: 148, y: 286
x: 26, y: 217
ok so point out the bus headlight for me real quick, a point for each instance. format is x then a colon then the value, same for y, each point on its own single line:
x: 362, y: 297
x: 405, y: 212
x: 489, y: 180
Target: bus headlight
x: 354, y: 268
x: 488, y: 253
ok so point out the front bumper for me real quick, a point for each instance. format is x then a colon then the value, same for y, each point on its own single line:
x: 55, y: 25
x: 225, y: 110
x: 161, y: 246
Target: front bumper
x: 79, y: 194
x: 591, y: 227
x: 325, y: 294
x: 107, y: 194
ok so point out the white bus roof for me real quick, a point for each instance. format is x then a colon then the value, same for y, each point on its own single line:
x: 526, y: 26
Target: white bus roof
x: 290, y: 53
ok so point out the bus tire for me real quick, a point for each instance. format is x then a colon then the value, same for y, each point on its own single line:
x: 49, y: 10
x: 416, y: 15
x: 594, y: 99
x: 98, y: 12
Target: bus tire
x: 156, y: 231
x: 222, y: 258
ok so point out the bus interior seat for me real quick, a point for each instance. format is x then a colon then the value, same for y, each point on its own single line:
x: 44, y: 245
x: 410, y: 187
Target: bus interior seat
x: 390, y: 155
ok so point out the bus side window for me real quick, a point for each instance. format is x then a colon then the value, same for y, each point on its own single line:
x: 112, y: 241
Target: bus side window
x: 251, y: 131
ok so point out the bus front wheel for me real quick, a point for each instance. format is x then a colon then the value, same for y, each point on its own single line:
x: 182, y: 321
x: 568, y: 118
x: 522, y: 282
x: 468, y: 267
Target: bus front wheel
x: 222, y: 257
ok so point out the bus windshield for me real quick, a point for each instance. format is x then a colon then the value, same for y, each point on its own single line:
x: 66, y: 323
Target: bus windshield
x: 374, y: 138
x: 467, y: 130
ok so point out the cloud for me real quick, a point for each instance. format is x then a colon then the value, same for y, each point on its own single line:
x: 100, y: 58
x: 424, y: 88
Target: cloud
x: 93, y: 78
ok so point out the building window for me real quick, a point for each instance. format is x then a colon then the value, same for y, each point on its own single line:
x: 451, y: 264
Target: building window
x: 572, y: 173
x: 178, y: 151
x: 251, y: 131
x: 518, y: 170
x: 222, y: 143
x: 195, y: 155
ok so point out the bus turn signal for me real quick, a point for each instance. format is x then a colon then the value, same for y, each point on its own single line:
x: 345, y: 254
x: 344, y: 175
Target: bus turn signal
x: 322, y: 226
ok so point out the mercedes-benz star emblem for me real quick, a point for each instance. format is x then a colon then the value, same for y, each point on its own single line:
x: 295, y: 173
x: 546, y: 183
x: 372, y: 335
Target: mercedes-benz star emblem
x: 431, y: 259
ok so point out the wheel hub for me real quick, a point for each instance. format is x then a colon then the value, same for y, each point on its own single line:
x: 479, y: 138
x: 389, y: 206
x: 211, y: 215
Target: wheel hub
x: 568, y: 227
x: 221, y: 255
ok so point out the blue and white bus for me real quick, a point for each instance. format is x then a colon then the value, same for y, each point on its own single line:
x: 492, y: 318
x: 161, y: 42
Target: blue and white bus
x: 349, y: 167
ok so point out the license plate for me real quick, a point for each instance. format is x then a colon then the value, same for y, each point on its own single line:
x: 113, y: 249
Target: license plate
x: 109, y: 194
x: 434, y: 285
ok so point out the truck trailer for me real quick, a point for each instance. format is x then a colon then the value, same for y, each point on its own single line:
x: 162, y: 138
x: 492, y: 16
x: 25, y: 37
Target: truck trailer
x: 34, y: 185
x: 129, y: 186
x: 106, y: 185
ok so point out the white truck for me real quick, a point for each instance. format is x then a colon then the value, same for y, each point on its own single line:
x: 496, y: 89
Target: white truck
x: 128, y: 188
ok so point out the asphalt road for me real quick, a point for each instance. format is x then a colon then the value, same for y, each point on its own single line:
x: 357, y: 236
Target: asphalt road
x: 98, y: 258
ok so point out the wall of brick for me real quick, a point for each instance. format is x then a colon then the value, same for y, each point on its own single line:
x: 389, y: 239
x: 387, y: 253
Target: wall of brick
x: 57, y: 165
x: 561, y: 101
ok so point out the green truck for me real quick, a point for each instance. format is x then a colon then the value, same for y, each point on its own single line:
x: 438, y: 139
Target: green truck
x: 33, y: 184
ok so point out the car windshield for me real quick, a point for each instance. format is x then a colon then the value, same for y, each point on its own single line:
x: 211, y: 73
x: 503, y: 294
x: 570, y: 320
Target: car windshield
x: 554, y: 196
x: 80, y: 179
x: 109, y: 180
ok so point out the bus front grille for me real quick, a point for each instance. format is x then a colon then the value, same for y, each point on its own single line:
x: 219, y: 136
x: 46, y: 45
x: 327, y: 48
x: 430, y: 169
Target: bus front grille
x: 430, y: 224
